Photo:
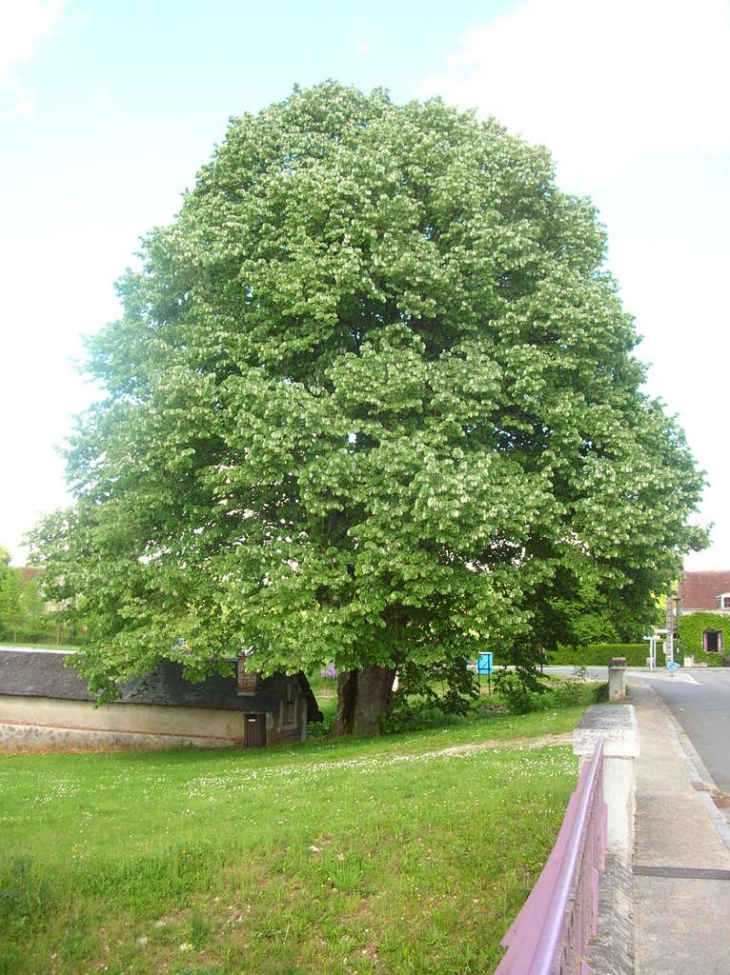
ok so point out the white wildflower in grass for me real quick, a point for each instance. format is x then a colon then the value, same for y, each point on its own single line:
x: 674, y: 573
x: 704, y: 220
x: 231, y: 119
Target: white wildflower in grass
x: 238, y: 839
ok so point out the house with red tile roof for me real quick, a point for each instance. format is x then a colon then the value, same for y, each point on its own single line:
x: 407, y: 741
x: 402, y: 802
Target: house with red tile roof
x: 705, y: 596
x: 705, y: 592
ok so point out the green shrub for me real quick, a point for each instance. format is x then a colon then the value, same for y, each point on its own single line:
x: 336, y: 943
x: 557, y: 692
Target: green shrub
x: 566, y: 693
x: 700, y: 657
x: 515, y: 694
x: 414, y: 714
x: 557, y: 694
x: 600, y: 654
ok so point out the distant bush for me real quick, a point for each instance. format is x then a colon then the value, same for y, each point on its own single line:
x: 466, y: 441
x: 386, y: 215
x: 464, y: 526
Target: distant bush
x: 519, y: 698
x: 553, y: 696
x: 700, y: 657
x: 415, y: 715
x: 599, y: 655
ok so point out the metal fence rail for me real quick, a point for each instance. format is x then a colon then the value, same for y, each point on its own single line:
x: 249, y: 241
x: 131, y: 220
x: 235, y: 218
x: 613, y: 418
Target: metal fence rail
x: 550, y: 934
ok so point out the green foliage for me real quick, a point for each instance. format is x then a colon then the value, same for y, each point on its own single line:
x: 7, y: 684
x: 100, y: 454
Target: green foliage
x: 7, y: 596
x: 10, y: 606
x: 566, y: 693
x: 600, y: 654
x: 23, y: 617
x: 515, y: 692
x: 692, y: 626
x: 371, y: 400
x: 557, y: 693
x: 700, y: 657
x: 445, y: 685
x: 425, y: 695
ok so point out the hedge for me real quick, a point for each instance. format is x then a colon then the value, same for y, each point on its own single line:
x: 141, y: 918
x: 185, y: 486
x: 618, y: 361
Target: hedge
x: 600, y: 654
x: 700, y: 657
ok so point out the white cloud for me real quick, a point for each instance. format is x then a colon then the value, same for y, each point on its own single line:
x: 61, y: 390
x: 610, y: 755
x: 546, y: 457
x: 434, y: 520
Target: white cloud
x: 15, y: 98
x: 24, y: 26
x: 601, y: 82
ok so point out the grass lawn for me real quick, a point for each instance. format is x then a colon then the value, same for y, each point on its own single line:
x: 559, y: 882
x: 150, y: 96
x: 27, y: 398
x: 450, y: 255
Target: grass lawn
x: 384, y: 855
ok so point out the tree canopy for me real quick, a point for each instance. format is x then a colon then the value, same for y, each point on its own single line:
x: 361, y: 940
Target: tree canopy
x: 372, y: 399
x: 21, y: 609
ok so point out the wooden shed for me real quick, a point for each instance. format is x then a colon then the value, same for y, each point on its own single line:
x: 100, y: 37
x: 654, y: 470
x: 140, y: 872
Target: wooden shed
x: 46, y: 706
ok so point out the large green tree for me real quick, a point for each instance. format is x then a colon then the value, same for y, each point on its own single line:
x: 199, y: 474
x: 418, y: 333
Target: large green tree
x: 372, y: 400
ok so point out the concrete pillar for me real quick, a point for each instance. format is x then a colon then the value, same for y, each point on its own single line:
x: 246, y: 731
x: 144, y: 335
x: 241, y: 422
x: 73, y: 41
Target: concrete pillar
x: 616, y: 679
x: 618, y: 728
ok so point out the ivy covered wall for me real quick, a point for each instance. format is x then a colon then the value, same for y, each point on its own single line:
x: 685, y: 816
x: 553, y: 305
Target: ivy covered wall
x: 693, y: 625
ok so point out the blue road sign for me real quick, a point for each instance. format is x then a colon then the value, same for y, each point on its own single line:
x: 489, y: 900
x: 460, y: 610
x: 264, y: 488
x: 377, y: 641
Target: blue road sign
x: 484, y: 663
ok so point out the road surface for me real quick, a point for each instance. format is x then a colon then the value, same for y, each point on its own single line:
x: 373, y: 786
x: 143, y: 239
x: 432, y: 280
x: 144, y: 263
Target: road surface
x: 699, y: 698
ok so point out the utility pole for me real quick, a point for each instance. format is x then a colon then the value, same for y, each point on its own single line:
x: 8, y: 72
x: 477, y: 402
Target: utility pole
x: 669, y: 643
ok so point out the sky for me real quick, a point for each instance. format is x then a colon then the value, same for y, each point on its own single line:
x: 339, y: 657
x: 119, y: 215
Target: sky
x: 108, y: 108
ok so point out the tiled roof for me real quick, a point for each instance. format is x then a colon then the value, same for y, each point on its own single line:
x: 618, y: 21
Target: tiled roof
x: 33, y: 673
x: 699, y: 590
x: 167, y: 686
x: 44, y: 674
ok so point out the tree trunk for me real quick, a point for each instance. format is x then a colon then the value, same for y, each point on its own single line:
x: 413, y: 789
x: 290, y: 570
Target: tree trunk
x: 362, y: 697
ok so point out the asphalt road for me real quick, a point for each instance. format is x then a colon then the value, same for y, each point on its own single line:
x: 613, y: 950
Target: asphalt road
x: 699, y: 699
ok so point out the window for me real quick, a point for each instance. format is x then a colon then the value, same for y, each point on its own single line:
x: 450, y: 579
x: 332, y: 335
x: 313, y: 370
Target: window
x: 724, y: 600
x: 712, y: 641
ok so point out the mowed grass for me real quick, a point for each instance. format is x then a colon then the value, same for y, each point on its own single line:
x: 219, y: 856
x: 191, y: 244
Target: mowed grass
x: 386, y: 855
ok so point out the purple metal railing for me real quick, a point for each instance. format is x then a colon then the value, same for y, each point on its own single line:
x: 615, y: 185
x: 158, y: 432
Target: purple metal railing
x: 550, y: 934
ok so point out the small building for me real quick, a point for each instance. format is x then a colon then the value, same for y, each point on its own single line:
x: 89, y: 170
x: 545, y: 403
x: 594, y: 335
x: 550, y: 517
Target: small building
x: 705, y: 597
x: 46, y: 706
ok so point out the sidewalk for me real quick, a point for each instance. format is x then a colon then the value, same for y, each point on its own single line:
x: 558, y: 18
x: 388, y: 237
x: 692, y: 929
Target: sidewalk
x: 681, y: 862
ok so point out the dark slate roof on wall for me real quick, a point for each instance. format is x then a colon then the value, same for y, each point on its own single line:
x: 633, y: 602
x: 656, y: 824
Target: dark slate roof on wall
x: 166, y: 686
x: 699, y: 590
x: 32, y: 673
x: 44, y: 674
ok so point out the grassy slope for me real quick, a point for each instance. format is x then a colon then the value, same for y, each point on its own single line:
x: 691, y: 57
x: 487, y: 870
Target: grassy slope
x: 366, y: 856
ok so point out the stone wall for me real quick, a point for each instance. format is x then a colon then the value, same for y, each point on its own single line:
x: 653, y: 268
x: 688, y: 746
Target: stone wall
x: 40, y: 724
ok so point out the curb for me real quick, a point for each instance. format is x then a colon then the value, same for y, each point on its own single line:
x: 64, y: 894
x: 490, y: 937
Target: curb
x: 702, y: 782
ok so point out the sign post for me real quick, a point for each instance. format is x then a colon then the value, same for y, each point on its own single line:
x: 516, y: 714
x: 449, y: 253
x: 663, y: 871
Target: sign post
x: 651, y: 660
x: 484, y: 666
